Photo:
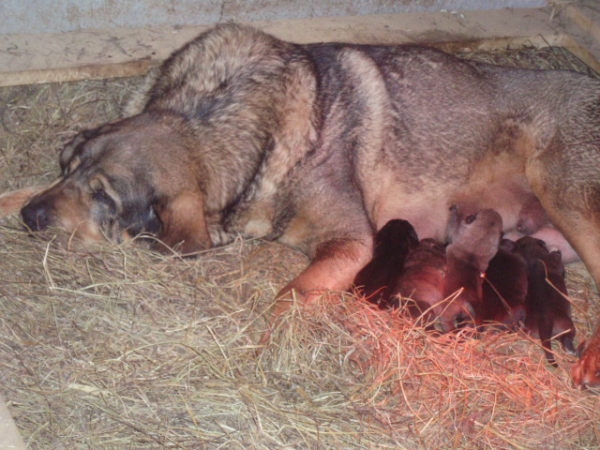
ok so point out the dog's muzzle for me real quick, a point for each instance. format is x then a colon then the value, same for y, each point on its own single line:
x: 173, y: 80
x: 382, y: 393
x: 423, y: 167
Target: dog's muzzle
x: 36, y: 216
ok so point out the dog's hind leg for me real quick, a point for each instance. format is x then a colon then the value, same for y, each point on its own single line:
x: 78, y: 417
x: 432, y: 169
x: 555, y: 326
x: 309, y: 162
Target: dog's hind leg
x: 333, y: 268
x: 566, y: 180
x: 582, y: 231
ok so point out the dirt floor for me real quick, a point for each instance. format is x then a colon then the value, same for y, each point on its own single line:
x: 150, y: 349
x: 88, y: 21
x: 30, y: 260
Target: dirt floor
x: 112, y: 347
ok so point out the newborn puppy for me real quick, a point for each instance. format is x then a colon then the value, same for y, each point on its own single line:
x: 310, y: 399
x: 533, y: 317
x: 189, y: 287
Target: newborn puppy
x: 420, y: 287
x: 392, y: 244
x: 548, y: 312
x: 586, y: 371
x: 504, y: 288
x: 474, y: 240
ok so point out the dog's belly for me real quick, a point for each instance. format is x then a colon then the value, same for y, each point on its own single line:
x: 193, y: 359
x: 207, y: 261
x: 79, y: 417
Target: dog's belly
x: 496, y: 182
x: 427, y: 213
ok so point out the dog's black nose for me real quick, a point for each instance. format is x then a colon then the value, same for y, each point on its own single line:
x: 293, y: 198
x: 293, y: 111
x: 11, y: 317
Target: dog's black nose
x: 36, y: 216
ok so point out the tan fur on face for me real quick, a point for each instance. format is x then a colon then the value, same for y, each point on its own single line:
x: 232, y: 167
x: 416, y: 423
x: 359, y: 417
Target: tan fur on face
x: 183, y: 226
x: 72, y: 211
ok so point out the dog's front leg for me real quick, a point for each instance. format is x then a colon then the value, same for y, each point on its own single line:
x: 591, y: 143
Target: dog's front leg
x: 333, y: 268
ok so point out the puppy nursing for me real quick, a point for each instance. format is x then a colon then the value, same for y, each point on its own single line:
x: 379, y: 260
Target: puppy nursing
x: 479, y: 279
x: 474, y: 240
x: 419, y: 286
x: 548, y: 312
x: 392, y: 245
x: 504, y: 288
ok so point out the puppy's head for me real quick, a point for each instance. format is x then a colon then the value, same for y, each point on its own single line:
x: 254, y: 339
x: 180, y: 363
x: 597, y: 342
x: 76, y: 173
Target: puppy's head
x: 475, y: 236
x: 536, y: 253
x: 134, y: 177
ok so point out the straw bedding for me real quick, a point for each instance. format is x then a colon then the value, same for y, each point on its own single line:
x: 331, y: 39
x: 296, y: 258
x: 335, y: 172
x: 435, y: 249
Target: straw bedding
x: 118, y: 348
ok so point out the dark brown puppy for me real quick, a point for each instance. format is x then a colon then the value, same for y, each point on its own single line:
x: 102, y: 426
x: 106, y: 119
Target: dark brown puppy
x: 547, y: 309
x: 392, y: 245
x: 504, y: 288
x: 474, y: 240
x: 586, y: 371
x: 420, y: 287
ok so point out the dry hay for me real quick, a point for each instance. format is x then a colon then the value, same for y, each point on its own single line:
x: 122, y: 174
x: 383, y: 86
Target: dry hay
x: 116, y: 348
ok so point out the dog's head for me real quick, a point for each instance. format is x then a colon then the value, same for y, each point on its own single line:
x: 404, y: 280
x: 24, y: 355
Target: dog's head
x: 129, y: 178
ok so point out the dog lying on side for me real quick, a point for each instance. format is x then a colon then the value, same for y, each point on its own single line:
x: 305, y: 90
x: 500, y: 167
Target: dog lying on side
x: 318, y: 146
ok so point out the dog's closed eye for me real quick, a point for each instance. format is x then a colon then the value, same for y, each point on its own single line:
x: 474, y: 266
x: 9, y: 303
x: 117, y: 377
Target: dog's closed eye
x: 100, y: 194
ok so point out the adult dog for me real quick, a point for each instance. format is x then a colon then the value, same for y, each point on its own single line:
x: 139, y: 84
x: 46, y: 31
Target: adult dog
x: 319, y: 146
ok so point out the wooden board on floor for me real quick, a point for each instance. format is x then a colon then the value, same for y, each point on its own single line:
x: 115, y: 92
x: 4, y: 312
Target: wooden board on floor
x: 40, y: 58
x: 10, y: 439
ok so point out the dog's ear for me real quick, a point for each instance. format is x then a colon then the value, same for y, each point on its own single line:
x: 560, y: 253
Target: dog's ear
x: 183, y: 222
x: 66, y: 155
x: 67, y: 152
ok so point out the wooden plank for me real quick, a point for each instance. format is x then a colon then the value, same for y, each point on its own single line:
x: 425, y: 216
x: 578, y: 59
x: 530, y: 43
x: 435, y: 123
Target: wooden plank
x: 580, y: 23
x: 10, y: 439
x: 27, y: 59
